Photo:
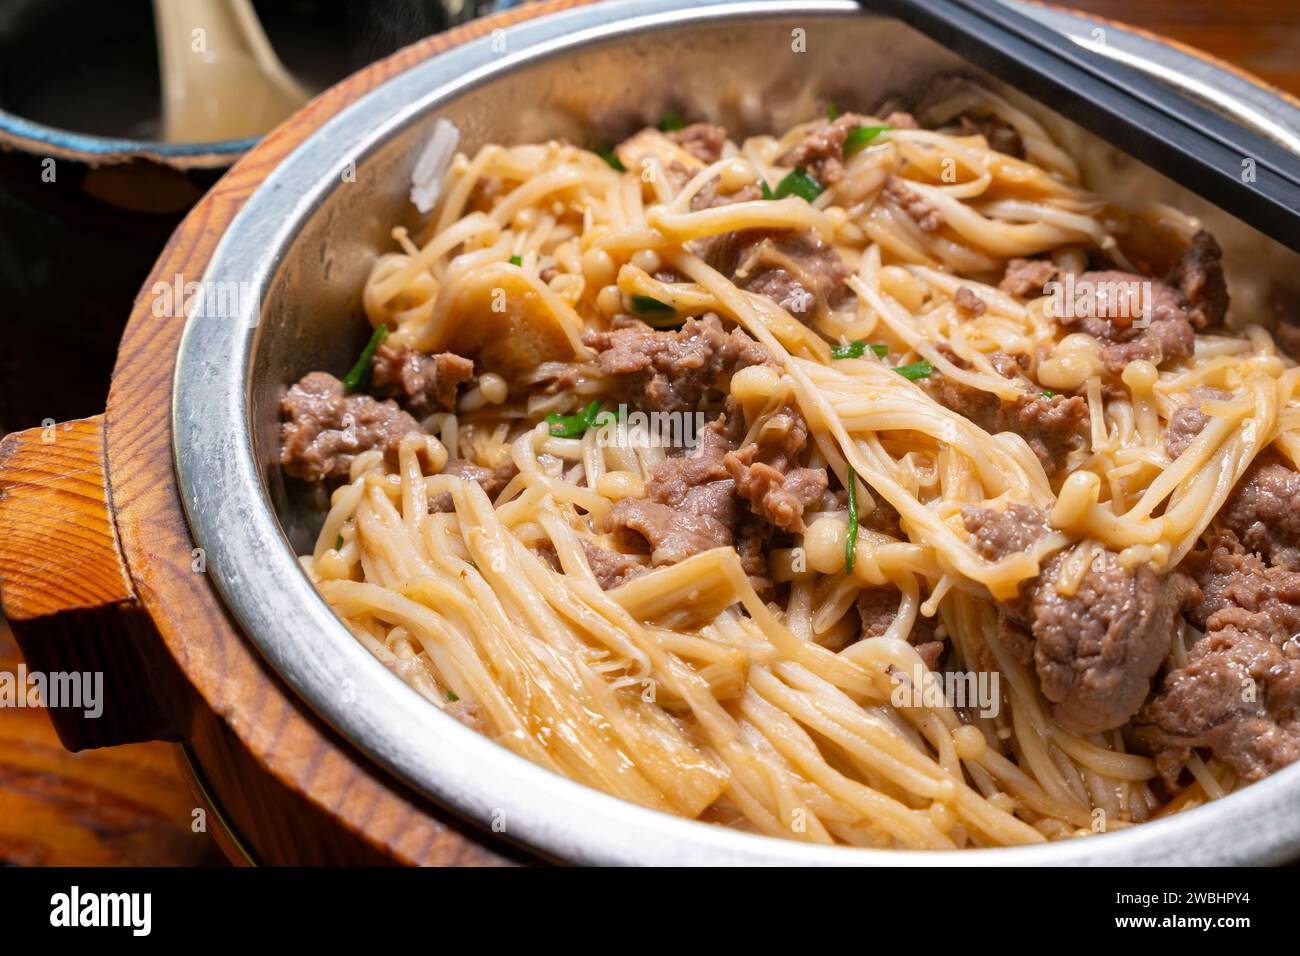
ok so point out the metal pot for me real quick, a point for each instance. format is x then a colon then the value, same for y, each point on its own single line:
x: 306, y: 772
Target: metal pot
x: 301, y: 248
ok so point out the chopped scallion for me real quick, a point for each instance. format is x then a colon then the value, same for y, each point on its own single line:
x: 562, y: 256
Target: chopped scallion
x: 850, y: 543
x: 359, y: 375
x: 574, y: 426
x: 915, y: 370
x: 671, y: 121
x: 646, y: 305
x: 798, y: 183
x: 860, y: 138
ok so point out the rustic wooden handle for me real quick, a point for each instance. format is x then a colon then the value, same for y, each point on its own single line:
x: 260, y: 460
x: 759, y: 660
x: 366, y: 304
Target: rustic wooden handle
x: 67, y: 592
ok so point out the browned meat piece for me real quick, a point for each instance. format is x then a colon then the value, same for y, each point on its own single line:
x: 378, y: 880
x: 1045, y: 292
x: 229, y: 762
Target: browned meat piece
x: 1108, y: 306
x: 420, y: 382
x: 764, y: 477
x: 610, y: 567
x: 931, y: 652
x: 1000, y: 136
x: 1097, y: 649
x: 710, y: 197
x: 969, y: 301
x: 1013, y: 635
x: 704, y: 141
x: 1026, y: 277
x: 1187, y: 421
x: 900, y: 119
x: 794, y: 269
x: 1238, y: 696
x: 1198, y: 277
x: 492, y: 480
x: 672, y: 534
x: 324, y: 428
x: 1053, y: 426
x: 882, y: 518
x: 822, y: 150
x: 671, y: 371
x: 1240, y: 590
x: 1264, y: 511
x: 751, y: 544
x: 690, y: 504
x: 911, y: 202
x: 1239, y: 692
x: 877, y: 608
x: 1000, y: 533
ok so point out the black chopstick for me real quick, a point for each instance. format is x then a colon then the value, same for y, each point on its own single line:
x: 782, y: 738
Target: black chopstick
x: 1242, y: 172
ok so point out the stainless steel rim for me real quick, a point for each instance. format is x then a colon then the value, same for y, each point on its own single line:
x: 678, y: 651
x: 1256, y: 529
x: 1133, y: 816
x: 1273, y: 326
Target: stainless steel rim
x: 257, y: 574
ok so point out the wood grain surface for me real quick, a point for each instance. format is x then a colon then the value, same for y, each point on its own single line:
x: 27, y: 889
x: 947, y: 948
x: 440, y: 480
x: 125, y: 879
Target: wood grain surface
x: 1261, y: 37
x: 286, y: 782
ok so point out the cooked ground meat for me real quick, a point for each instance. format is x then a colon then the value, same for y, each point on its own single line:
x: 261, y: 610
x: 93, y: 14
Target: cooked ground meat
x: 1238, y: 696
x: 1241, y: 590
x: 1264, y: 511
x: 822, y: 150
x: 793, y: 268
x: 611, y: 568
x: 1013, y: 634
x: 1053, y: 426
x: 492, y: 480
x: 1239, y: 691
x: 1097, y: 649
x: 764, y: 477
x: 997, y: 534
x: 913, y: 203
x: 420, y: 382
x: 704, y: 141
x: 969, y: 301
x: 1187, y: 421
x: 690, y: 504
x: 901, y: 119
x: 1025, y: 277
x: 1198, y: 279
x: 709, y: 197
x: 1108, y: 307
x: 751, y: 544
x: 877, y: 608
x: 670, y: 371
x: 324, y: 428
x: 1000, y: 136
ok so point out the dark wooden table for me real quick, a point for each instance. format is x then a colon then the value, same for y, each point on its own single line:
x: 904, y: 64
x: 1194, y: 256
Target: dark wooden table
x: 133, y: 806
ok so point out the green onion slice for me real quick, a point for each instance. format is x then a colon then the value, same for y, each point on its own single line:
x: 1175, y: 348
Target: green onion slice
x: 359, y: 375
x: 850, y: 544
x: 860, y: 138
x: 915, y: 371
